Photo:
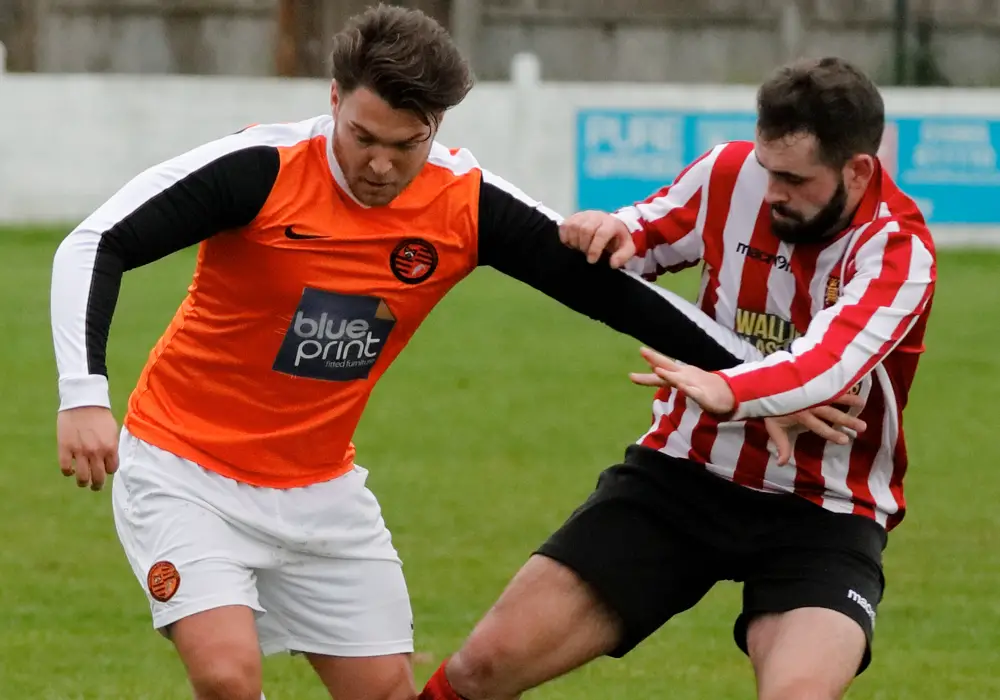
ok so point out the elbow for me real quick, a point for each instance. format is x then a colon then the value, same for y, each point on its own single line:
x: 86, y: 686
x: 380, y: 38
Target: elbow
x: 78, y: 244
x: 64, y: 260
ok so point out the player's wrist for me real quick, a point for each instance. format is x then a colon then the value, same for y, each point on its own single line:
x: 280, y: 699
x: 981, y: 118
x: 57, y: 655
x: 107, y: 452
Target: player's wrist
x: 90, y: 390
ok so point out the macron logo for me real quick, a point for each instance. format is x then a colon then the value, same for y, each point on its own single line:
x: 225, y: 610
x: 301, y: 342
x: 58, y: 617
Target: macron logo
x: 865, y: 605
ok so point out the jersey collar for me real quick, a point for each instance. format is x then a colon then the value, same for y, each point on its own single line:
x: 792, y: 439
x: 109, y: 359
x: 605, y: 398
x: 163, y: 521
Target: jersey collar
x: 336, y: 170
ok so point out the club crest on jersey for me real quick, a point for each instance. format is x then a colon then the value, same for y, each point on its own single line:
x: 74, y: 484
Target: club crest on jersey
x: 832, y: 294
x: 413, y: 260
x: 334, y: 337
x: 767, y: 332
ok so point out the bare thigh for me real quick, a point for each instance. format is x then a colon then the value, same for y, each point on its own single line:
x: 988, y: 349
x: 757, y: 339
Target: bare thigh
x: 220, y: 651
x: 387, y: 677
x: 546, y: 623
x: 805, y: 654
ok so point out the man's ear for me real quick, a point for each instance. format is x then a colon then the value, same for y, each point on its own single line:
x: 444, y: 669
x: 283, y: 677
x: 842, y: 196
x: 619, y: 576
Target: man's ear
x: 859, y: 171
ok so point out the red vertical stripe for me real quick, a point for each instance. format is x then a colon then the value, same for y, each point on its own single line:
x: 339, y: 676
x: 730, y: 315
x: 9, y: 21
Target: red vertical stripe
x: 751, y: 465
x: 668, y: 422
x: 703, y: 438
x: 864, y: 450
x: 722, y: 184
x: 809, y: 447
x: 669, y: 229
x: 901, y: 369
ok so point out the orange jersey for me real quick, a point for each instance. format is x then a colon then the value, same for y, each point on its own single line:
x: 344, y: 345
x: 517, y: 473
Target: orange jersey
x: 302, y: 297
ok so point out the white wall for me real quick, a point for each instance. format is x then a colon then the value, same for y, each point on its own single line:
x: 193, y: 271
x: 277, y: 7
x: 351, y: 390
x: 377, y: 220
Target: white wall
x: 67, y: 142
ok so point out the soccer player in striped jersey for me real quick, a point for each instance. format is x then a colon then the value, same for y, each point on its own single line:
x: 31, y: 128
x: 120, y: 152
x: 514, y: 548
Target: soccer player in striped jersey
x: 810, y: 252
x: 323, y: 246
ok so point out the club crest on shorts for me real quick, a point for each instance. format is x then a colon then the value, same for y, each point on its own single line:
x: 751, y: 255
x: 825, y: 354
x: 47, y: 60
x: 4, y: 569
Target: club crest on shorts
x: 413, y: 260
x: 163, y: 581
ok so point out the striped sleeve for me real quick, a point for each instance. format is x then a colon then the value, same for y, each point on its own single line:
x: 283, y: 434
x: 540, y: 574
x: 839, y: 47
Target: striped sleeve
x: 168, y: 207
x: 891, y: 288
x: 667, y: 226
x: 519, y: 237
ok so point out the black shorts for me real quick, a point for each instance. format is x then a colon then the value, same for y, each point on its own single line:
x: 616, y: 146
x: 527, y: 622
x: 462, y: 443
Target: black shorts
x: 658, y: 533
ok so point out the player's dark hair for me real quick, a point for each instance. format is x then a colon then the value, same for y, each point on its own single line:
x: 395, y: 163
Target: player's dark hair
x: 828, y: 98
x: 403, y: 56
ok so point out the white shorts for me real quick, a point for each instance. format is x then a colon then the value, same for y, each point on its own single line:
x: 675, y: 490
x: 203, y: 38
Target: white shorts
x: 317, y: 563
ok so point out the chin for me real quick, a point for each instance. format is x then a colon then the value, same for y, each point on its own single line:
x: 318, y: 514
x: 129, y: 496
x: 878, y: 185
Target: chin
x: 374, y: 197
x: 378, y: 200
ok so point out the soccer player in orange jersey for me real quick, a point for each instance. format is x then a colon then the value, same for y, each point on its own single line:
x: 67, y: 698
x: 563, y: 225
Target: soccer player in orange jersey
x: 323, y: 246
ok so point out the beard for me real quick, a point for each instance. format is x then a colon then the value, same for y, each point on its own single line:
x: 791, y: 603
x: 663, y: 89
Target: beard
x: 795, y: 228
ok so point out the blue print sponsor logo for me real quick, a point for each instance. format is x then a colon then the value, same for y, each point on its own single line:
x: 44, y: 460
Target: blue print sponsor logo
x: 334, y: 337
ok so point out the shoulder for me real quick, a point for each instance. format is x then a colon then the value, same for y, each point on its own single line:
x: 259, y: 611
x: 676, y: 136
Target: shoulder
x: 283, y: 134
x: 276, y: 136
x: 898, y: 225
x: 722, y: 161
x: 454, y: 162
x: 260, y: 141
x: 900, y: 208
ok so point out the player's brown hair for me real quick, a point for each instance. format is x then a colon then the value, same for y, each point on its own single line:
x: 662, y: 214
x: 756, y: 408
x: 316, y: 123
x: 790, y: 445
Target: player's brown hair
x: 405, y: 57
x: 828, y: 98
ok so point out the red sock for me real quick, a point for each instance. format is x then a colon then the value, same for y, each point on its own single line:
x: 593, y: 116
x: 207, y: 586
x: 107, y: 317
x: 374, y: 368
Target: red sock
x: 438, y: 687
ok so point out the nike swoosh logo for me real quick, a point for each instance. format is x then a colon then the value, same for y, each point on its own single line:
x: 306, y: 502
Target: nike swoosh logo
x: 294, y: 235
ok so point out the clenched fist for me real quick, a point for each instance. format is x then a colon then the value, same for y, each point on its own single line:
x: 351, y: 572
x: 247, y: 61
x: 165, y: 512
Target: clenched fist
x: 88, y: 445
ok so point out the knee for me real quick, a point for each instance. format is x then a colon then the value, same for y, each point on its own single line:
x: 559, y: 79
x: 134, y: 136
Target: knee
x: 227, y: 678
x: 482, y: 668
x: 392, y: 686
x: 800, y: 688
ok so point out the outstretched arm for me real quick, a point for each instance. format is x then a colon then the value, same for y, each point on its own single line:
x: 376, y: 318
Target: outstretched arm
x: 520, y: 238
x: 890, y: 289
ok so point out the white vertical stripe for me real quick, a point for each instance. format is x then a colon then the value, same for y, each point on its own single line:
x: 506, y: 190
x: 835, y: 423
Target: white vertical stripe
x: 751, y: 184
x: 728, y: 444
x: 781, y: 287
x: 679, y: 441
x: 780, y: 296
x: 826, y: 263
x: 881, y: 474
x: 660, y: 409
x: 835, y: 468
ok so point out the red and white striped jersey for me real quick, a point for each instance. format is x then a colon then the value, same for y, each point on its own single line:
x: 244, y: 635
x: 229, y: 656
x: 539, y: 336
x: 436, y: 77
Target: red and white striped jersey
x: 848, y: 314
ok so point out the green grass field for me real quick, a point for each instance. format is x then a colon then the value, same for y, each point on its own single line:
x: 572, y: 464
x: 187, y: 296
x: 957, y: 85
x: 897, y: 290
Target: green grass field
x: 491, y: 427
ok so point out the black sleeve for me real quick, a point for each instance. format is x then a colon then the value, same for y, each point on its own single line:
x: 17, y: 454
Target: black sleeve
x: 519, y: 240
x: 226, y: 193
x: 143, y: 222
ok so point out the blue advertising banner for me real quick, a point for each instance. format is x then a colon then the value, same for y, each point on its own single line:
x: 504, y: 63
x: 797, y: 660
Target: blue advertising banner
x: 949, y: 165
